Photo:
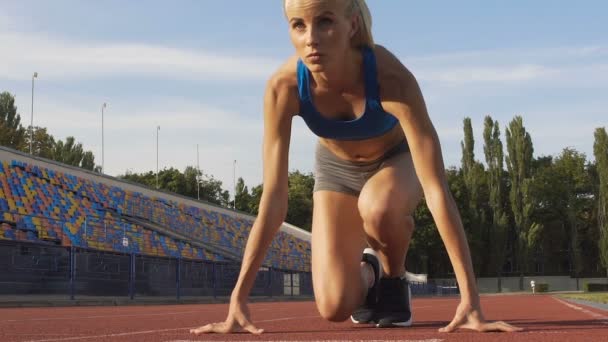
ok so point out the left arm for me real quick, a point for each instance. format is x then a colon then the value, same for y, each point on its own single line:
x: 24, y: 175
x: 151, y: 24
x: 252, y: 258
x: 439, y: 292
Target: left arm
x: 405, y: 101
x: 409, y: 107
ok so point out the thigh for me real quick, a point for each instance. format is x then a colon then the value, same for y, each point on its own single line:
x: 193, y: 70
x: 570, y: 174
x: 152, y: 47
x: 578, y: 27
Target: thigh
x: 338, y: 240
x: 394, y: 189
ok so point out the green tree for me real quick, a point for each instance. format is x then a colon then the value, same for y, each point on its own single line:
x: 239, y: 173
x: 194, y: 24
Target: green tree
x: 88, y: 161
x: 493, y: 152
x: 148, y: 178
x: 256, y: 196
x: 242, y: 196
x: 570, y: 165
x: 476, y: 199
x: 547, y: 190
x: 299, y: 211
x: 191, y: 177
x: 72, y: 153
x: 427, y: 252
x: 183, y: 184
x: 172, y: 180
x: 562, y: 193
x: 12, y: 133
x: 43, y: 143
x: 600, y: 151
x: 212, y: 191
x: 519, y: 160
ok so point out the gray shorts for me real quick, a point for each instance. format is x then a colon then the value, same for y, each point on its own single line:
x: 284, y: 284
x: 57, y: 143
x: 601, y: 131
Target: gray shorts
x: 335, y: 174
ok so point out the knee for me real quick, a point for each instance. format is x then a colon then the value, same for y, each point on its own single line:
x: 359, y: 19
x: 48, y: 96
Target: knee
x: 374, y: 215
x: 376, y: 221
x: 332, y: 309
x: 377, y: 215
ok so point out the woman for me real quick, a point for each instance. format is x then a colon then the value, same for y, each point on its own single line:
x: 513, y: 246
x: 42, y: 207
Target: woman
x: 363, y: 104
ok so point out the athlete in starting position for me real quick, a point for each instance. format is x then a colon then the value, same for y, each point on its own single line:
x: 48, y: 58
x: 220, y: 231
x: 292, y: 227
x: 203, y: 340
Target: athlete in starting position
x: 377, y: 155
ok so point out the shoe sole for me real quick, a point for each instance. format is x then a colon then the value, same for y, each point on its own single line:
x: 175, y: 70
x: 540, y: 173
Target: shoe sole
x: 372, y: 252
x: 361, y: 322
x: 395, y: 324
x: 400, y: 324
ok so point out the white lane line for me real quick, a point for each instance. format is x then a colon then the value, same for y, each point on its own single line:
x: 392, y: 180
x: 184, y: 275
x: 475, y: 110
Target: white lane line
x: 286, y: 319
x: 154, y: 331
x: 99, y: 316
x: 601, y: 318
x: 107, y: 316
x: 107, y: 335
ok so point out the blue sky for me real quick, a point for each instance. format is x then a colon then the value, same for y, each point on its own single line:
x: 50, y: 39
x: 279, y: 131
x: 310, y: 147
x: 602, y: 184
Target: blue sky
x: 198, y: 69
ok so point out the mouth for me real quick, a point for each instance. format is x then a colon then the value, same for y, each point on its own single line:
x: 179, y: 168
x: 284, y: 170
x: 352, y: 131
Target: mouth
x: 315, y: 57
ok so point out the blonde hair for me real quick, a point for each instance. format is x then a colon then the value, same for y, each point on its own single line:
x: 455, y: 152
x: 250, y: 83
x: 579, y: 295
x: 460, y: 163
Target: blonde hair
x: 363, y: 37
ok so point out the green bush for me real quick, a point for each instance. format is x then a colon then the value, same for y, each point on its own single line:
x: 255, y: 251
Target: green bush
x: 593, y: 287
x: 542, y: 287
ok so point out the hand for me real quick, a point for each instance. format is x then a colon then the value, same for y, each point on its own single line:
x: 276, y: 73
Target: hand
x: 238, y: 318
x: 470, y: 317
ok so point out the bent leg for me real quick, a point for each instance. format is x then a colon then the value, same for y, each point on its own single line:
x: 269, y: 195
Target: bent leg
x: 337, y: 242
x: 387, y: 202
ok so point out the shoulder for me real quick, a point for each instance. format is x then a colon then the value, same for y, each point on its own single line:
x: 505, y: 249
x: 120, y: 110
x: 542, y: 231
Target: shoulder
x: 282, y: 88
x: 392, y: 73
x: 398, y: 85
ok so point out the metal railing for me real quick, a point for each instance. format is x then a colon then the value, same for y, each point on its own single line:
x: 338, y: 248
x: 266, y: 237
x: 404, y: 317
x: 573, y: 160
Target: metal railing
x: 30, y: 268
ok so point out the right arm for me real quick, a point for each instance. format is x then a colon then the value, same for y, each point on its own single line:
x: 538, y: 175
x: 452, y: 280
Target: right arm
x: 280, y: 102
x: 278, y: 106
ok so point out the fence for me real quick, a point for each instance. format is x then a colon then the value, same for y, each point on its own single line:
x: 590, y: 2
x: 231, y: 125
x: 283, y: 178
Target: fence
x: 37, y: 261
x: 29, y: 268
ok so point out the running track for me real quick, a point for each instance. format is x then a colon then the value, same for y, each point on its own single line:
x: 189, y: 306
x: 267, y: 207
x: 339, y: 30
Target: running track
x: 544, y: 317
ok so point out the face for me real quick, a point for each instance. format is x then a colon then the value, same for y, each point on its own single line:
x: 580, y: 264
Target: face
x: 320, y: 31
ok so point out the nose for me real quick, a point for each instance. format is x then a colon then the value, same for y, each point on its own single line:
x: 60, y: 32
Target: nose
x: 312, y: 38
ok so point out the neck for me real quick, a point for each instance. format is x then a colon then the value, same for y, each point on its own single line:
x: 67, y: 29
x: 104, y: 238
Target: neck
x: 343, y: 76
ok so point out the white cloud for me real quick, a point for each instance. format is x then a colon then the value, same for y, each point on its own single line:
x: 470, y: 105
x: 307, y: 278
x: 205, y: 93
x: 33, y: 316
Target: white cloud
x: 568, y: 65
x: 461, y: 75
x: 502, y: 55
x: 63, y: 59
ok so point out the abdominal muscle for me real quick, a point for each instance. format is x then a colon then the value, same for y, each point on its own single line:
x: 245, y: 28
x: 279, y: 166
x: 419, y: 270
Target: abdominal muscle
x: 364, y: 150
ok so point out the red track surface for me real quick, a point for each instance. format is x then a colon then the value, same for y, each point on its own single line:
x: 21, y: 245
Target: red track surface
x: 545, y: 319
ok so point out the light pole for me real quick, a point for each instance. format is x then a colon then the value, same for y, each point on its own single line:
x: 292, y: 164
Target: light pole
x: 35, y: 75
x: 234, y: 183
x: 103, y: 106
x: 157, y: 130
x: 198, y: 171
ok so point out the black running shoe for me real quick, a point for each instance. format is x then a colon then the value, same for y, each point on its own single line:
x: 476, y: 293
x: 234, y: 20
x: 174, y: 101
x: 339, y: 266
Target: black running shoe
x: 366, y: 313
x: 394, y: 307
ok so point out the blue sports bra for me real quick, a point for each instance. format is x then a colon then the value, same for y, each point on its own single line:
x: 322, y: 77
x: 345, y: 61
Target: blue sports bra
x: 373, y: 123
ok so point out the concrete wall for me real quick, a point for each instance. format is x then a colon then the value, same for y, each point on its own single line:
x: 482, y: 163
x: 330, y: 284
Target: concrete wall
x: 7, y: 154
x: 556, y: 283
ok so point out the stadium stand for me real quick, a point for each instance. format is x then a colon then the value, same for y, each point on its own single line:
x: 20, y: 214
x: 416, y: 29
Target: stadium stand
x: 44, y: 205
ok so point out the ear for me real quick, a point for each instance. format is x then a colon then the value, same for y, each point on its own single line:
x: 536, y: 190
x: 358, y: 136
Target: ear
x: 354, y: 25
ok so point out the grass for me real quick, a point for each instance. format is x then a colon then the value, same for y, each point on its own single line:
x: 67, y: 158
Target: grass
x: 599, y: 297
